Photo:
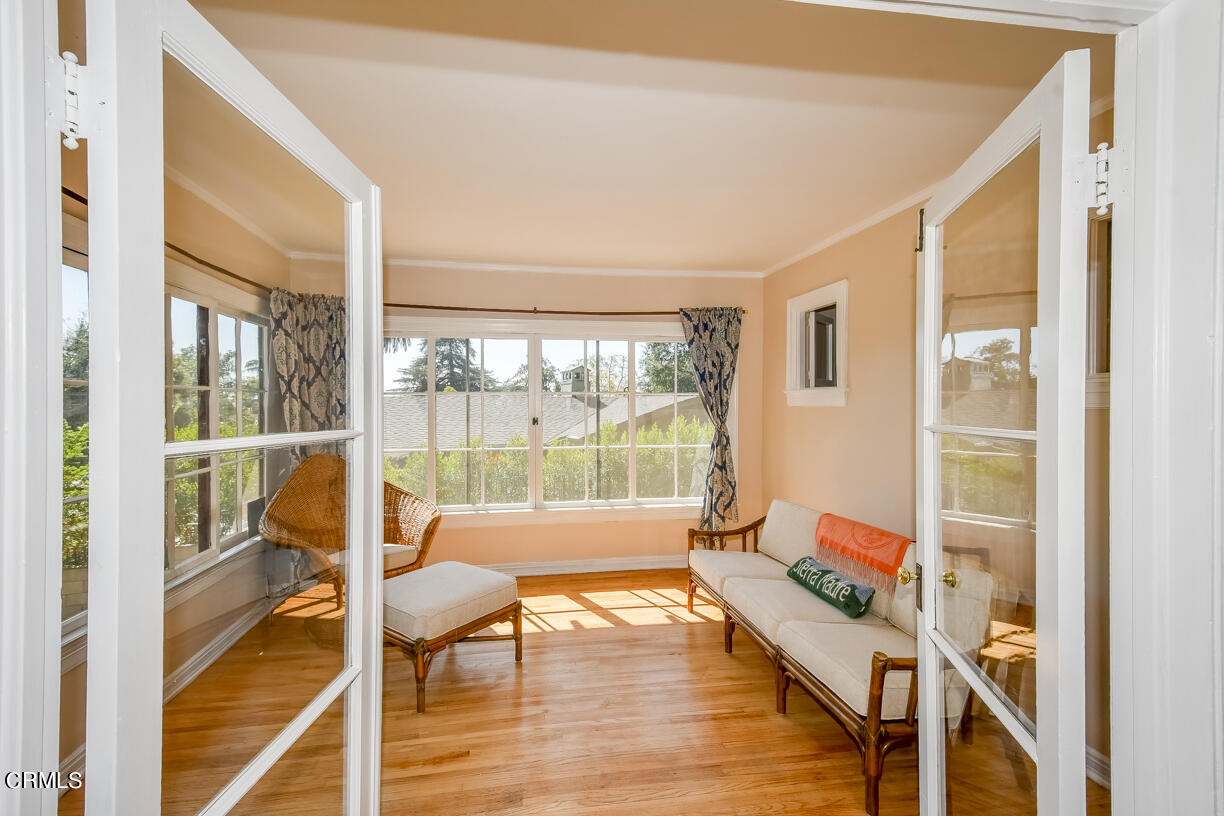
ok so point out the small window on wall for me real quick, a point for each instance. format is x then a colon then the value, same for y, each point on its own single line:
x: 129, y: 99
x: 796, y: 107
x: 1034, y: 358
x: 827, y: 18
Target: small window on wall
x: 816, y: 347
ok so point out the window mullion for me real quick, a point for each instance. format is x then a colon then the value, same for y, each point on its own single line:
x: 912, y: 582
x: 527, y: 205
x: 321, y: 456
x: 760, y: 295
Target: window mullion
x: 631, y: 397
x: 535, y: 429
x: 431, y: 464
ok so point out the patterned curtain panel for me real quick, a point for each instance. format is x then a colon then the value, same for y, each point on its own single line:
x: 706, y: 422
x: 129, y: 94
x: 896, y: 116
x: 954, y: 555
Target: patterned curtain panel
x: 308, y: 346
x: 713, y: 336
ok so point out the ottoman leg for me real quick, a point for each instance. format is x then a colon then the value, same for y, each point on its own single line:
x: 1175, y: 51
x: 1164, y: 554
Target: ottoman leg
x: 518, y: 632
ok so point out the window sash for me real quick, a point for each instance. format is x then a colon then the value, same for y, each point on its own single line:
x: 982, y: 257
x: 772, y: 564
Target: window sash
x: 217, y: 541
x: 535, y: 393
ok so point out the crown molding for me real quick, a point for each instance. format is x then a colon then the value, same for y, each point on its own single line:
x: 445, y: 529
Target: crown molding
x: 841, y: 235
x: 544, y: 269
x: 217, y: 204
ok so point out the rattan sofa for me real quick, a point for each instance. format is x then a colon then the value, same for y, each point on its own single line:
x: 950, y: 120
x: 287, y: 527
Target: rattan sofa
x: 862, y: 671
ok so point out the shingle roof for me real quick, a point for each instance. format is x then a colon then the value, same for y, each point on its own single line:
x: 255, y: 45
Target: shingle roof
x: 506, y: 414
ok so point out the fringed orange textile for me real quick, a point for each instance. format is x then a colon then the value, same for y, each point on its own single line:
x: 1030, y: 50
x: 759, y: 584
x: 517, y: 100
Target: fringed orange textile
x: 865, y: 553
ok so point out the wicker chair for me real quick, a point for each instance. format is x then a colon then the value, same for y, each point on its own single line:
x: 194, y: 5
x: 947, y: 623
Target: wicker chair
x: 308, y: 513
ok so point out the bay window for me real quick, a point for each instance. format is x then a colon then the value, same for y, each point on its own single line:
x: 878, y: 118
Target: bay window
x: 480, y: 419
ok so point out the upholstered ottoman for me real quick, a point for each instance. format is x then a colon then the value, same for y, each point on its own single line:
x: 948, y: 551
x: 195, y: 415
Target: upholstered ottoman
x: 429, y: 609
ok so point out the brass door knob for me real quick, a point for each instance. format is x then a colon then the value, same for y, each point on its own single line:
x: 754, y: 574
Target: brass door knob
x: 950, y: 578
x: 905, y: 576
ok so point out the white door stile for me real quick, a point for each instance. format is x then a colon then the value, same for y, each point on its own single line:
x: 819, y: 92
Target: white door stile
x: 126, y: 411
x: 1062, y: 309
x: 1056, y: 112
x: 30, y: 434
x: 364, y: 719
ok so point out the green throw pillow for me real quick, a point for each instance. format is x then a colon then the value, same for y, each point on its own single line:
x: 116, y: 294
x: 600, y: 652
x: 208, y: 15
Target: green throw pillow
x: 852, y: 599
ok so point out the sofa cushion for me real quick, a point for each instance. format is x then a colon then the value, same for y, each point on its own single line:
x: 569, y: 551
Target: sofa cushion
x: 789, y: 532
x: 434, y: 600
x: 767, y: 604
x: 716, y: 566
x: 903, y: 612
x: 839, y: 655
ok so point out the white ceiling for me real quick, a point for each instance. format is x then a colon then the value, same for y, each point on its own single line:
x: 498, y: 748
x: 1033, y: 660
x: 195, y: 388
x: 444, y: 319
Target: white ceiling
x: 654, y: 134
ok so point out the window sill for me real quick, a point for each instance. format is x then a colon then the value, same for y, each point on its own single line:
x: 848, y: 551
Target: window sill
x: 833, y: 397
x: 568, y: 515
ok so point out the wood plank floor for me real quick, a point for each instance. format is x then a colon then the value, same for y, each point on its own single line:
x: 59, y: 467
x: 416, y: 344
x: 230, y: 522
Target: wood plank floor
x: 624, y: 703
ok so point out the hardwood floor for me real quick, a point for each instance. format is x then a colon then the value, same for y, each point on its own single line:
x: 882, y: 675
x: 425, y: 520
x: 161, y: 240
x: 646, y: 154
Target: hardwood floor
x: 624, y: 703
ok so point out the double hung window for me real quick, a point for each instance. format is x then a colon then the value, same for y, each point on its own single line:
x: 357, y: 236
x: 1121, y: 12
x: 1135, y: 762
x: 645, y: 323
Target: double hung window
x: 217, y: 381
x: 532, y: 420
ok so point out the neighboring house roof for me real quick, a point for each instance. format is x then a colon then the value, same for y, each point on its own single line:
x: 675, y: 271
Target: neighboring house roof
x: 405, y: 417
x: 989, y: 408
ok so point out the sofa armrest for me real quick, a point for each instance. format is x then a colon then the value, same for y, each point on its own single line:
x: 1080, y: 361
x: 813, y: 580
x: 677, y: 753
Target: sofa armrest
x: 742, y: 532
x: 881, y: 665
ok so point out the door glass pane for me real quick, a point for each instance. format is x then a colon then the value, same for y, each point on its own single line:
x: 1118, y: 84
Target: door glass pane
x: 257, y: 345
x: 245, y: 652
x: 311, y: 771
x: 988, y: 773
x: 989, y: 551
x: 988, y: 351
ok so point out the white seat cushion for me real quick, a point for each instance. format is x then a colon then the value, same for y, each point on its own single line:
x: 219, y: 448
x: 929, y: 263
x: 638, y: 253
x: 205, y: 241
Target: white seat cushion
x: 394, y: 556
x: 768, y: 604
x: 789, y: 532
x: 434, y: 600
x: 840, y: 657
x: 716, y: 566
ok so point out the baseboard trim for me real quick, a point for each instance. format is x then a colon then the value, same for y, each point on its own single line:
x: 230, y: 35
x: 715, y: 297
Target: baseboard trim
x: 181, y: 677
x: 1098, y: 767
x: 636, y: 562
x: 73, y: 763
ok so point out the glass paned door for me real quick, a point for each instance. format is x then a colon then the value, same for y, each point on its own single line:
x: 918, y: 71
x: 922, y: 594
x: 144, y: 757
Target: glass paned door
x: 235, y: 459
x: 1002, y: 308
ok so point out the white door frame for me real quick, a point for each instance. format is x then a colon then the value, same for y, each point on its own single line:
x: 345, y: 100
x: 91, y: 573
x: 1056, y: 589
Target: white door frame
x: 123, y: 726
x: 31, y: 407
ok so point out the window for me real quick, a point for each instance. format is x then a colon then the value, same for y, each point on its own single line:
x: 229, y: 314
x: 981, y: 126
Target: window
x: 217, y: 383
x: 75, y: 317
x: 816, y: 347
x: 1100, y: 248
x: 526, y: 421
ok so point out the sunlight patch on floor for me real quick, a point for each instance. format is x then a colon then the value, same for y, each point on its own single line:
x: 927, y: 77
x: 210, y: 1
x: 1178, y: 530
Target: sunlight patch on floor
x: 561, y: 612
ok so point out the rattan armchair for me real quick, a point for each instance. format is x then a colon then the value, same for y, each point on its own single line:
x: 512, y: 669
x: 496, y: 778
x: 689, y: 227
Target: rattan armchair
x: 309, y: 513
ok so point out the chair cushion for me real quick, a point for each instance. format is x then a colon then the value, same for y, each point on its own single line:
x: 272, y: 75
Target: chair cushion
x: 789, y: 532
x: 434, y: 600
x: 839, y: 655
x: 767, y: 604
x: 716, y: 566
x: 394, y: 556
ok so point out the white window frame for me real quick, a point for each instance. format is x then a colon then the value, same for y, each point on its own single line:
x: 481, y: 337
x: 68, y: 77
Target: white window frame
x: 218, y: 297
x: 835, y: 294
x: 536, y: 510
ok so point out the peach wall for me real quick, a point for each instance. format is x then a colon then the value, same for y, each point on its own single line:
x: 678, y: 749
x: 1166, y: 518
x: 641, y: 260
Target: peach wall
x: 581, y: 540
x: 856, y: 460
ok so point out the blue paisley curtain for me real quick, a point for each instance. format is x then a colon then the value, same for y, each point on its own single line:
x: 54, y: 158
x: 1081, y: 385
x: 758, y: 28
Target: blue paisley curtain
x: 308, y: 347
x: 713, y: 336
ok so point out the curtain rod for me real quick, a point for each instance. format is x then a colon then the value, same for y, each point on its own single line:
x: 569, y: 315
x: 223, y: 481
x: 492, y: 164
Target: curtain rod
x: 75, y: 196
x: 532, y: 311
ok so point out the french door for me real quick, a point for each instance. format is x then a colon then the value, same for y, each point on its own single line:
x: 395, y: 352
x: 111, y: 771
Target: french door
x: 213, y: 685
x: 1002, y: 333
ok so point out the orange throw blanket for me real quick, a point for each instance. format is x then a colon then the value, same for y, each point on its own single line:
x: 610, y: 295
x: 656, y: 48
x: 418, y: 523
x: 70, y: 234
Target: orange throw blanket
x: 863, y: 552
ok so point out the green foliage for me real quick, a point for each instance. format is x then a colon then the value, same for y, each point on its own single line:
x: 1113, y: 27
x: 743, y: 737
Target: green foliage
x: 657, y: 363
x: 567, y: 469
x: 76, y: 483
x: 1003, y: 359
